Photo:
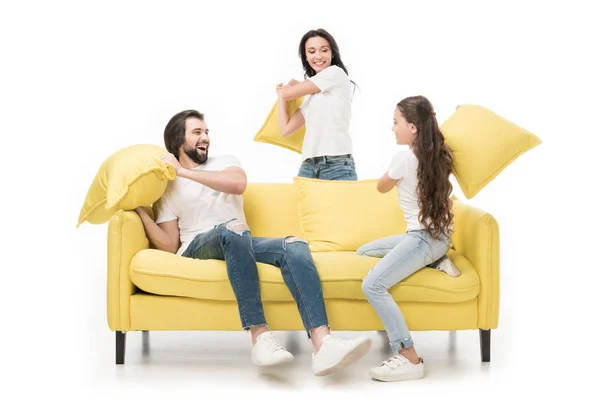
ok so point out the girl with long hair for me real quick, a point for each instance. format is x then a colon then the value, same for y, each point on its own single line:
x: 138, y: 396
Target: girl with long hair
x: 421, y: 175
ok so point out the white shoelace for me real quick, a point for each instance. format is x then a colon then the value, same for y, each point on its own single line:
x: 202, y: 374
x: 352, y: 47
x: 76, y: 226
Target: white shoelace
x: 272, y: 344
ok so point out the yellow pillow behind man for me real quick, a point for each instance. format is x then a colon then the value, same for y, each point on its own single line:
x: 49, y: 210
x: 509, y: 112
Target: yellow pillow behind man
x: 134, y: 176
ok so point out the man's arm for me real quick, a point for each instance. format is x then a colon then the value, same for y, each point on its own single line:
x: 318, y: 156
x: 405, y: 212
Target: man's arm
x: 231, y: 180
x: 163, y: 236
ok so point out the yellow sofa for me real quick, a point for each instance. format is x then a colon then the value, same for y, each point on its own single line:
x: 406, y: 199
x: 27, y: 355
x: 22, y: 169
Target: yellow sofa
x: 154, y: 290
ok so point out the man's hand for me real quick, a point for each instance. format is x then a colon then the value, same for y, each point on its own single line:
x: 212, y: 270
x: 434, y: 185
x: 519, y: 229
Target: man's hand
x: 140, y: 211
x: 170, y: 159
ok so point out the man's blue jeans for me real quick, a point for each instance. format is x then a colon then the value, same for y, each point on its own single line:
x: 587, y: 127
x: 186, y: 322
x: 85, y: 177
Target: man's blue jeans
x: 241, y: 252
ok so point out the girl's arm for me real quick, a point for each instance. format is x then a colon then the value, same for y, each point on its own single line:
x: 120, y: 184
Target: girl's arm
x: 385, y: 183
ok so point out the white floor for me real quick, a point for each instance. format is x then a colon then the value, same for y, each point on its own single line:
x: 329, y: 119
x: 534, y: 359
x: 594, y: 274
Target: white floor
x: 221, y: 360
x: 218, y: 361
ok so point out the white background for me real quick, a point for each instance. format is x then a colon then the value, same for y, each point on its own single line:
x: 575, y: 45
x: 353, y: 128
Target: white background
x: 80, y: 80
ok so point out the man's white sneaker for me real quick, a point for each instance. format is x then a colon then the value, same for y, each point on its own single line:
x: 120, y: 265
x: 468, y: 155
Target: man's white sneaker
x: 398, y: 368
x: 448, y: 267
x: 267, y: 351
x: 337, y: 353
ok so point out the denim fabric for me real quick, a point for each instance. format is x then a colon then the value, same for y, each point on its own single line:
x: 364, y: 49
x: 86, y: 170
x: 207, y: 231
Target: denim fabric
x: 331, y: 168
x: 402, y: 255
x: 241, y: 252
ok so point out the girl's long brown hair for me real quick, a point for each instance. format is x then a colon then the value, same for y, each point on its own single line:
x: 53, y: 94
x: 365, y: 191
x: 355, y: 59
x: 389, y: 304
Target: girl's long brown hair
x: 435, y: 165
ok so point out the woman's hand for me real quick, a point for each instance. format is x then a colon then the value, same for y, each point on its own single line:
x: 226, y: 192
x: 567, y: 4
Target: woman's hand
x: 279, y: 88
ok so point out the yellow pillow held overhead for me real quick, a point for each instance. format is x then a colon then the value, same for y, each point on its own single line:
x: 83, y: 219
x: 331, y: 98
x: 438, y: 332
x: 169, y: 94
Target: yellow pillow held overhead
x: 344, y: 215
x: 132, y: 177
x: 269, y: 132
x: 483, y: 144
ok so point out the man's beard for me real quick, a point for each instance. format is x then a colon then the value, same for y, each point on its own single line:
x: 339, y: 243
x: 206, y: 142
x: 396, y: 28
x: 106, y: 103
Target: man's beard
x: 194, y: 156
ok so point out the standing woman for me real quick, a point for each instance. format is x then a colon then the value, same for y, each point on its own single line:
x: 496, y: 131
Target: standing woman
x: 327, y: 92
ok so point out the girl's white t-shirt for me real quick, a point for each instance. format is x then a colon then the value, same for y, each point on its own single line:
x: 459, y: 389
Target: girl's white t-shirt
x: 327, y: 115
x: 404, y: 168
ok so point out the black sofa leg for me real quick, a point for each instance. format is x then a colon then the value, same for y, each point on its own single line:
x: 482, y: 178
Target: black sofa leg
x: 120, y: 347
x: 485, y: 340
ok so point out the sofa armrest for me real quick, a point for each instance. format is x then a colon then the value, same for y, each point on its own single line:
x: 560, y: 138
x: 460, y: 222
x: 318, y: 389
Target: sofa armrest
x: 126, y: 237
x: 476, y: 237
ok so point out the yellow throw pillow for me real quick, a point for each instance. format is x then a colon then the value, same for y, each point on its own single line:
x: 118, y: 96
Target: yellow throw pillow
x: 344, y: 215
x: 132, y: 177
x: 269, y: 133
x: 483, y: 144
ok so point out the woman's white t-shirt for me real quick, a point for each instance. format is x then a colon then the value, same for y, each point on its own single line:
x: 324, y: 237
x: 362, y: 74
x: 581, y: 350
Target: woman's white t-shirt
x: 327, y: 115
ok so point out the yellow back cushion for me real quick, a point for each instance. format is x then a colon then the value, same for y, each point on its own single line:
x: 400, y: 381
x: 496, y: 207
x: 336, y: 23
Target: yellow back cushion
x: 269, y: 132
x: 132, y: 177
x: 344, y: 215
x: 271, y: 209
x: 483, y: 144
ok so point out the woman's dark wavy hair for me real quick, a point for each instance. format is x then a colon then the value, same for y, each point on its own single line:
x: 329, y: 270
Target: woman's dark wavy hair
x: 435, y: 165
x: 336, y: 58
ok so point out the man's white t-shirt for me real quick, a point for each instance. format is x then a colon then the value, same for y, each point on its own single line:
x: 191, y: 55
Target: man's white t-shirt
x: 404, y: 168
x: 199, y: 208
x: 327, y: 115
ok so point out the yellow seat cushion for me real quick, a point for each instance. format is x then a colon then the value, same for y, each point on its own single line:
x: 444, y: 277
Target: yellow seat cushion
x: 341, y: 274
x: 483, y: 144
x: 132, y: 177
x: 270, y: 133
x: 344, y: 215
